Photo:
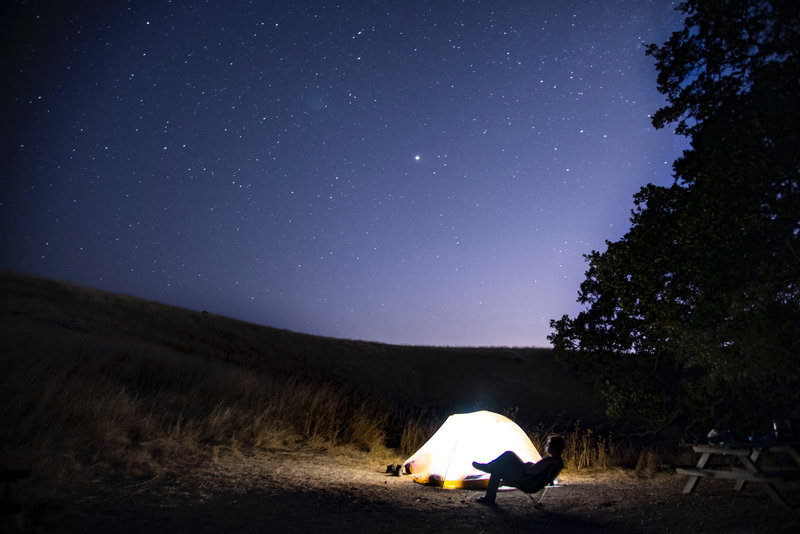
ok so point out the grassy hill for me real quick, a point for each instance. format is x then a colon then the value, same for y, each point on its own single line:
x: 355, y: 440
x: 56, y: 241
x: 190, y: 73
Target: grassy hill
x: 91, y: 376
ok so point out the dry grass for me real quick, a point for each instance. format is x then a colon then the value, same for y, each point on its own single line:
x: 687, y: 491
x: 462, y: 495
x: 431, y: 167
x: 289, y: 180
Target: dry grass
x: 417, y: 430
x: 587, y: 449
x: 58, y: 407
x: 95, y: 380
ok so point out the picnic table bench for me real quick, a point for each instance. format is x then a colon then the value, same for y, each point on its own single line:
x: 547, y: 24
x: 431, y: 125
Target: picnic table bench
x: 743, y: 465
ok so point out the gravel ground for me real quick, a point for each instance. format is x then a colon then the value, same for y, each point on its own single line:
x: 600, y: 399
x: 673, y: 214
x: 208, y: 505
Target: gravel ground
x: 347, y: 491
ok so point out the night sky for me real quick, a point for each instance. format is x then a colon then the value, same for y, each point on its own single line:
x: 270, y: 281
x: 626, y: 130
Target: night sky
x: 407, y: 172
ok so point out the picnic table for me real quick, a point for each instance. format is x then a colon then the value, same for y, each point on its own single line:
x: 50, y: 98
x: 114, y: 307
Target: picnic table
x: 742, y: 463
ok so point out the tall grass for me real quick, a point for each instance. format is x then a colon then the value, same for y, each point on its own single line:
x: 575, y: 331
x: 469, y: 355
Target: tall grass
x: 142, y: 414
x: 417, y: 429
x: 587, y: 449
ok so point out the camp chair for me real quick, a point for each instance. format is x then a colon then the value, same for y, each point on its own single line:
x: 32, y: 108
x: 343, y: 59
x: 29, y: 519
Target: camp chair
x: 531, y: 485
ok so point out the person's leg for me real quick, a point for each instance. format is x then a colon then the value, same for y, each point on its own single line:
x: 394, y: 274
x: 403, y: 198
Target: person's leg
x: 491, y: 490
x: 507, y: 466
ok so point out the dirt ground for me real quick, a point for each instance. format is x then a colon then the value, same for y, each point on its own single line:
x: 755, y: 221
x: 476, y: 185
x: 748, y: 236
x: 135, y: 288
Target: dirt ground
x: 306, y: 492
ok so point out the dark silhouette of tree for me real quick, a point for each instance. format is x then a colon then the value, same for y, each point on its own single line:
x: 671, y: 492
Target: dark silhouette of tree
x: 693, y: 317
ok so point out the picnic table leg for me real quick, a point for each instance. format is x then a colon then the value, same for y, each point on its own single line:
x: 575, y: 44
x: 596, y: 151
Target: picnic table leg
x: 753, y: 458
x: 693, y: 480
x: 771, y: 490
x: 793, y: 453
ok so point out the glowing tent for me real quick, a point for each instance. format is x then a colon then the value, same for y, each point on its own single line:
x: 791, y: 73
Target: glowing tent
x: 446, y: 459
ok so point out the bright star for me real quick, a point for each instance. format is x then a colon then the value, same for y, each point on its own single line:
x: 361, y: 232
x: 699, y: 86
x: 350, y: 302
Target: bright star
x: 416, y: 158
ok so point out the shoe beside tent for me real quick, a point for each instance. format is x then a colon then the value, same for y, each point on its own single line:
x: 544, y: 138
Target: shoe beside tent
x: 446, y: 459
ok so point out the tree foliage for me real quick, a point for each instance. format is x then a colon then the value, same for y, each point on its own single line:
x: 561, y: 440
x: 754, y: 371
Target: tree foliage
x: 693, y: 317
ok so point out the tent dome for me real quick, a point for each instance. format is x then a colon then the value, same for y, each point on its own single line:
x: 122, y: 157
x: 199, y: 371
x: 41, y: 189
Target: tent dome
x: 446, y: 458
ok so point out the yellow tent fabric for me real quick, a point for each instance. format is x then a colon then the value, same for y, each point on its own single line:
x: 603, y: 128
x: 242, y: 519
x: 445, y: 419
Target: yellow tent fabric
x: 446, y: 459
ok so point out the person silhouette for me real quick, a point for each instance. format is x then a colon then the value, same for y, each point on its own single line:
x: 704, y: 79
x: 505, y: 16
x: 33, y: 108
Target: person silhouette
x: 509, y: 469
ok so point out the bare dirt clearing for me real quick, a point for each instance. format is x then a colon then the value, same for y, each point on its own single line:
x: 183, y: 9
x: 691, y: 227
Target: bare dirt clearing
x: 325, y: 492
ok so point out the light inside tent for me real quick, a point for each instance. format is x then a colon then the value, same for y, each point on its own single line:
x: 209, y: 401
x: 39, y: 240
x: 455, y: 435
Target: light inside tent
x: 446, y: 458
